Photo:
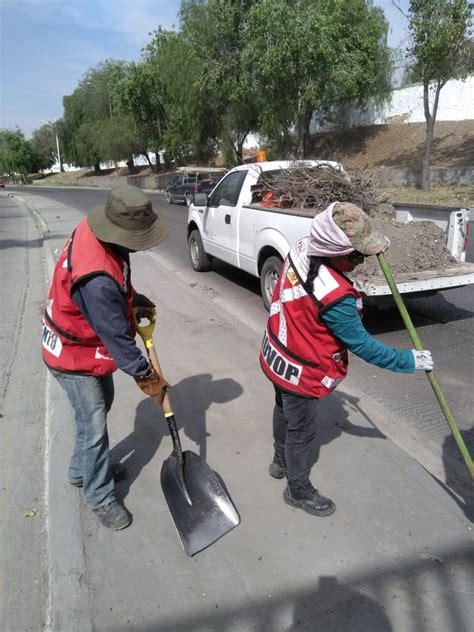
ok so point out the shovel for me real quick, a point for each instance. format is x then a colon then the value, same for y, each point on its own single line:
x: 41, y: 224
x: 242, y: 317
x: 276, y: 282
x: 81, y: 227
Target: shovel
x: 197, y: 498
x: 429, y: 374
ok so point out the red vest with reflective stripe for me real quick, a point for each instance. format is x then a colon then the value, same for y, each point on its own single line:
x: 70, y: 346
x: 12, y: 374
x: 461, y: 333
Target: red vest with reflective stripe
x: 69, y: 342
x: 299, y: 353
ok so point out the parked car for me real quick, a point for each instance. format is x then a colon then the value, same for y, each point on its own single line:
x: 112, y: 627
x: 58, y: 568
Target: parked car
x: 192, y: 180
x: 2, y: 184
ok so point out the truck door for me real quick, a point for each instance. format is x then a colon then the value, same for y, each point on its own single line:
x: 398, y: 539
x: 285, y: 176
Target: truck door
x: 177, y: 186
x: 220, y: 228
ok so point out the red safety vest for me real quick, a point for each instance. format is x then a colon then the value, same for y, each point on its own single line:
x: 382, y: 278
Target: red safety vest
x: 69, y: 342
x: 299, y: 352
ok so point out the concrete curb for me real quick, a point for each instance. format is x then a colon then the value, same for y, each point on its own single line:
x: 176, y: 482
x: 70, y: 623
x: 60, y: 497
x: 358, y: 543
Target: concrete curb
x: 68, y: 598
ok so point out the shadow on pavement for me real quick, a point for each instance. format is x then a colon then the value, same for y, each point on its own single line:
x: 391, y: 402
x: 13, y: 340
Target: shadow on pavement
x: 334, y: 420
x: 190, y: 399
x: 457, y: 476
x: 424, y: 593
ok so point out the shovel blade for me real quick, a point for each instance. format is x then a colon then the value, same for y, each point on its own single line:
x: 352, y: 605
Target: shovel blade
x: 203, y: 511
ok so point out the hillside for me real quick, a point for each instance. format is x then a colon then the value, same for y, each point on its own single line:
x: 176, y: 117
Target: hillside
x: 398, y: 145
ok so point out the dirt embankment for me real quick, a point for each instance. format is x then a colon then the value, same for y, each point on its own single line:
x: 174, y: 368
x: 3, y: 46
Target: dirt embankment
x: 398, y: 145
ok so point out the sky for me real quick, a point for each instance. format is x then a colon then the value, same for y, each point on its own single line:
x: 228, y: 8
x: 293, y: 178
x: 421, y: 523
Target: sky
x: 47, y: 45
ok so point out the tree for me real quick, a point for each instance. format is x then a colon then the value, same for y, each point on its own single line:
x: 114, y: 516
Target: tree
x: 189, y: 121
x: 94, y: 117
x: 309, y: 57
x: 18, y: 156
x: 142, y: 98
x: 441, y: 50
x: 44, y: 141
x: 216, y: 32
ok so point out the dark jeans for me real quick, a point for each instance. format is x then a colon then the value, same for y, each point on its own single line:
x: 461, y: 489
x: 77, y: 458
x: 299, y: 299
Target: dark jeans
x: 91, y: 397
x: 294, y: 428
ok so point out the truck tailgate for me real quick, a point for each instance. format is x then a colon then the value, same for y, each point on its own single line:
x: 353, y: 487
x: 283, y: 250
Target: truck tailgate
x: 426, y: 281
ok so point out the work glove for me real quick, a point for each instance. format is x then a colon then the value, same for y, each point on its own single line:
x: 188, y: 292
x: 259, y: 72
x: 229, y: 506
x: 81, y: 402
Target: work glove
x: 145, y: 308
x: 423, y: 360
x: 386, y: 244
x: 153, y: 385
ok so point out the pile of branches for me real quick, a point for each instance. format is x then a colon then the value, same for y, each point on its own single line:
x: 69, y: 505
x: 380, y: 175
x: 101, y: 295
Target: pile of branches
x: 305, y: 187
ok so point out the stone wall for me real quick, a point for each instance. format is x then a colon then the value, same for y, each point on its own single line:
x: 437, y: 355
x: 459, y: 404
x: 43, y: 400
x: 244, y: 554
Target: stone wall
x: 439, y: 176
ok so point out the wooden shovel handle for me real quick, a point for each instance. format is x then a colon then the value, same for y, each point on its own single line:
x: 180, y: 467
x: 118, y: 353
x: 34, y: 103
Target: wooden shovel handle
x: 146, y: 334
x: 166, y: 404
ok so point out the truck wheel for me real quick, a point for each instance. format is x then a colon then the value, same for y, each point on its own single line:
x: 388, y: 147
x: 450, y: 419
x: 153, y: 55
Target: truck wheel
x: 268, y: 278
x: 189, y: 199
x: 200, y: 261
x: 169, y: 199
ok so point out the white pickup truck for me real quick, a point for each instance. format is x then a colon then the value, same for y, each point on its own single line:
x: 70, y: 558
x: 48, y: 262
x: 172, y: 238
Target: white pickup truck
x: 226, y: 225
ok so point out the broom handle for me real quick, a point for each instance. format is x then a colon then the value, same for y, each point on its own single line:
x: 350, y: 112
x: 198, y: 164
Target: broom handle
x: 429, y: 374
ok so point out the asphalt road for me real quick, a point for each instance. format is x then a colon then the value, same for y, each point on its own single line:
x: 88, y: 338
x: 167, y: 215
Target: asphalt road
x: 445, y: 324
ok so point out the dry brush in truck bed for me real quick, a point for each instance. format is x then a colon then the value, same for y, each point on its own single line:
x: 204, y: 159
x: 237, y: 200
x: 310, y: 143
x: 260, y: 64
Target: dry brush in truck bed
x: 415, y: 246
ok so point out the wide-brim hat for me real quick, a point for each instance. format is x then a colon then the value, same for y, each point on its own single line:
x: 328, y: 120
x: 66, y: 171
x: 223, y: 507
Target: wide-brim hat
x: 128, y: 220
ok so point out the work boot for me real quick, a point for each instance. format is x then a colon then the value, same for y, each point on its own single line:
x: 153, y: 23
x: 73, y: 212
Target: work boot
x: 310, y: 500
x: 113, y: 516
x: 277, y: 470
x: 118, y: 471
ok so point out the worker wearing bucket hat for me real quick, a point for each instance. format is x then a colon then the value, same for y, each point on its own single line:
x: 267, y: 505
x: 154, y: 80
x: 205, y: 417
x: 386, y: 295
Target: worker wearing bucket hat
x: 88, y: 333
x: 315, y: 319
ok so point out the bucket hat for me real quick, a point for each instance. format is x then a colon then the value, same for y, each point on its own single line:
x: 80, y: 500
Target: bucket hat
x: 128, y: 220
x: 342, y: 228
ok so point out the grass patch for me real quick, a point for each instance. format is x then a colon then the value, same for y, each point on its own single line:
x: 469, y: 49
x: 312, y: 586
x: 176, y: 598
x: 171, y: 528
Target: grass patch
x: 448, y: 196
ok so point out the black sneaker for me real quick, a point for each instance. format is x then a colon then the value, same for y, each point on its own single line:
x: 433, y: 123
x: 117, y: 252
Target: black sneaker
x: 113, y: 516
x: 310, y: 500
x: 118, y: 471
x: 276, y: 470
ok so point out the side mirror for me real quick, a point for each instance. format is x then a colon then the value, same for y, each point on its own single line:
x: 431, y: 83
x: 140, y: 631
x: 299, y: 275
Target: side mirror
x: 201, y: 199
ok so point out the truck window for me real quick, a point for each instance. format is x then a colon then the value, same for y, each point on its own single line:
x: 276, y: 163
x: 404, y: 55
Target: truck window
x: 227, y: 193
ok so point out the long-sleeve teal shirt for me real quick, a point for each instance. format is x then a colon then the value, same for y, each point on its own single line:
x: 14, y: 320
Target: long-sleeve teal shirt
x: 344, y: 322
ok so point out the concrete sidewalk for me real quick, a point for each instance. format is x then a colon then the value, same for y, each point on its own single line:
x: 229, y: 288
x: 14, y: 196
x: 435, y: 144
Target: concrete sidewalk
x: 397, y: 555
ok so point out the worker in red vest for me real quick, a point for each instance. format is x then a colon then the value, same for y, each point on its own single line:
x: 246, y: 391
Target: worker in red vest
x: 315, y: 318
x: 88, y: 333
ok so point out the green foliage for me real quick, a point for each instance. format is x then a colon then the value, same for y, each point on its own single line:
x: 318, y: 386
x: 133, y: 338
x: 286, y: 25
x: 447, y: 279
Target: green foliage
x: 215, y: 32
x: 44, y: 142
x: 141, y: 95
x: 18, y: 157
x: 188, y: 128
x: 440, y: 48
x: 117, y: 140
x: 310, y: 57
x: 94, y: 115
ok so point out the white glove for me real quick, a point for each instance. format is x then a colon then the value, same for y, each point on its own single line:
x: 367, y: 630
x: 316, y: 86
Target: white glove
x: 423, y: 360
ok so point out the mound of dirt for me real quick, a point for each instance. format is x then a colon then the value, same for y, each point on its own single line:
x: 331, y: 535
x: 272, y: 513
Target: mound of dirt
x: 414, y: 247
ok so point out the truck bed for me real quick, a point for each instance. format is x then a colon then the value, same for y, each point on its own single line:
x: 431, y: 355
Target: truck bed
x: 425, y: 281
x: 297, y: 212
